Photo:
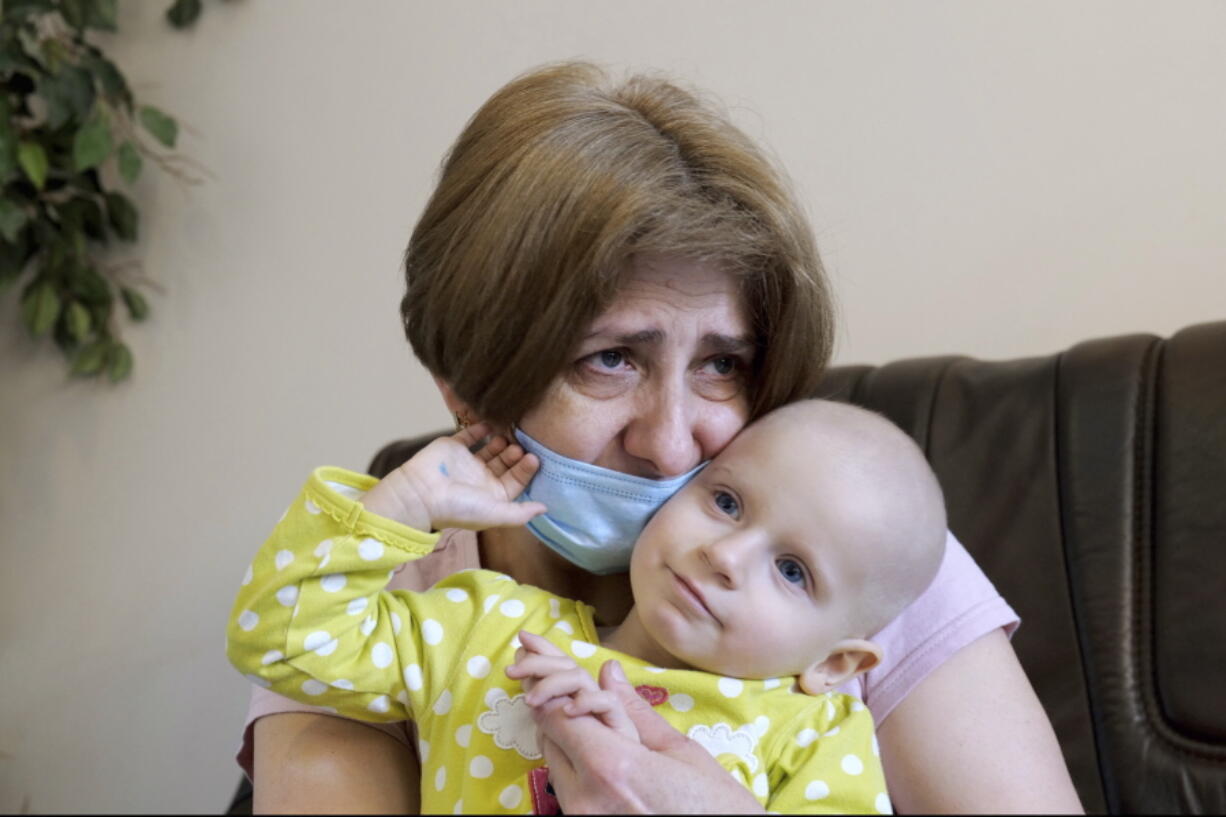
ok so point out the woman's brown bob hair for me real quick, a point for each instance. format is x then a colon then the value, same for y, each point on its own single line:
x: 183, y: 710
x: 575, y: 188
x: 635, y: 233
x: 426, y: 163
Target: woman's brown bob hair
x: 552, y: 189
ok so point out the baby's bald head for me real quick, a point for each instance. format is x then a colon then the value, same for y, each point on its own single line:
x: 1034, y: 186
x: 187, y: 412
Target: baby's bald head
x: 891, y: 512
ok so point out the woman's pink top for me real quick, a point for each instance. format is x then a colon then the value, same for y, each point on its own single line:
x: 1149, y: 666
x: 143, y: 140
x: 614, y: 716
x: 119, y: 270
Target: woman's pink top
x: 958, y: 607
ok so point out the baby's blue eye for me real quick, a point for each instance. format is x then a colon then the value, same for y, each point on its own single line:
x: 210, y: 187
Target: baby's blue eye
x: 792, y: 570
x: 727, y: 503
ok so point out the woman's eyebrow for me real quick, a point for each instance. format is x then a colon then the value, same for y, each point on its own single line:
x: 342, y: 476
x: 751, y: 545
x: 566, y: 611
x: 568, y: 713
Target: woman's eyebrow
x: 643, y: 336
x: 728, y: 344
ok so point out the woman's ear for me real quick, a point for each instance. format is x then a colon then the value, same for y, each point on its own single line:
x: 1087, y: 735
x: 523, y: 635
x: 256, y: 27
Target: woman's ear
x: 464, y: 415
x: 848, y: 659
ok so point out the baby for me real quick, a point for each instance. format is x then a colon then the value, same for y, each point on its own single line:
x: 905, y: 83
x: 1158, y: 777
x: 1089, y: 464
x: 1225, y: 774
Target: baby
x: 756, y: 588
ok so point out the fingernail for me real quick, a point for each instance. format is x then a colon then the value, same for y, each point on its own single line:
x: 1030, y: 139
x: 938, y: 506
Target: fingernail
x: 618, y: 674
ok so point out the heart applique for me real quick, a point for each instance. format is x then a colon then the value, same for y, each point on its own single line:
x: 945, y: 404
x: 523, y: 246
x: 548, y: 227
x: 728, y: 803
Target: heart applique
x: 652, y: 694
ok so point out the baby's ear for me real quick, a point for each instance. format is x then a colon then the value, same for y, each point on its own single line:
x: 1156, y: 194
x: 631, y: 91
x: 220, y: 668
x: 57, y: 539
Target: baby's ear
x: 848, y: 659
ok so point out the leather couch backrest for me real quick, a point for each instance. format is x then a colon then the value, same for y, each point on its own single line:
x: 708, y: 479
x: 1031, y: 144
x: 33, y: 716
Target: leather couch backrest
x: 1091, y: 487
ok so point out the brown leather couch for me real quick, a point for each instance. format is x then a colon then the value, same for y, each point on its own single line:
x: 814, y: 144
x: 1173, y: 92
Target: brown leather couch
x: 1091, y: 487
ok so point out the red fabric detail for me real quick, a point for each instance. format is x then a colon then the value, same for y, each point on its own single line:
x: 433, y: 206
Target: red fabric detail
x: 543, y: 801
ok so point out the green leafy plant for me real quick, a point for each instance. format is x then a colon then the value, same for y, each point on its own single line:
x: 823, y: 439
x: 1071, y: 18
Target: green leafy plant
x: 71, y: 134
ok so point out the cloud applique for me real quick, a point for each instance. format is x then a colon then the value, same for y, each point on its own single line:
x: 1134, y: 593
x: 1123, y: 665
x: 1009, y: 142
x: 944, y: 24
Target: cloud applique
x: 509, y: 722
x: 722, y: 739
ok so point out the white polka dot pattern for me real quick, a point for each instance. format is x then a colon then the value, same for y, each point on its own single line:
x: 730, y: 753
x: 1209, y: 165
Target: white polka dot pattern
x: 511, y: 796
x: 478, y: 666
x: 248, y: 620
x: 481, y: 767
x: 431, y: 632
x: 333, y: 582
x: 370, y: 549
x: 412, y: 677
x: 313, y: 687
x: 817, y: 790
x: 851, y: 765
x: 382, y: 655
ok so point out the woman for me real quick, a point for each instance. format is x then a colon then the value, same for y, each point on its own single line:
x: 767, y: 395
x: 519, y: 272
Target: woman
x: 619, y: 272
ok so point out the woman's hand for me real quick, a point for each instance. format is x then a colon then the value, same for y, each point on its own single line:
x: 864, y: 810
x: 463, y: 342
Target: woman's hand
x: 458, y: 482
x: 597, y: 770
x: 551, y: 678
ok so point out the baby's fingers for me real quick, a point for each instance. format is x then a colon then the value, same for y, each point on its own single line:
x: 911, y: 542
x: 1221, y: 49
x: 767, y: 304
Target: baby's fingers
x: 539, y: 666
x: 469, y: 436
x: 606, y: 707
x: 539, y: 644
x: 560, y: 685
x: 519, y: 470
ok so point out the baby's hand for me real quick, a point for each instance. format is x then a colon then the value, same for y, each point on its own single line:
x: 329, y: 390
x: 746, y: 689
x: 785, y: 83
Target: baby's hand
x: 551, y: 679
x: 449, y: 485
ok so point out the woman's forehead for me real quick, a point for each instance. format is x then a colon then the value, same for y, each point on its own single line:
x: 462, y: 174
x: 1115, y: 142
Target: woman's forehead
x: 658, y: 292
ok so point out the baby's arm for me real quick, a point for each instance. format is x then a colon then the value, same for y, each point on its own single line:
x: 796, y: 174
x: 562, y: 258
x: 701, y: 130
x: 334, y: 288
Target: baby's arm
x: 827, y: 764
x: 313, y: 621
x: 552, y: 679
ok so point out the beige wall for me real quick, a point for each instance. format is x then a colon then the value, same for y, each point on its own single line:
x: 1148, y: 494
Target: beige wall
x: 998, y: 179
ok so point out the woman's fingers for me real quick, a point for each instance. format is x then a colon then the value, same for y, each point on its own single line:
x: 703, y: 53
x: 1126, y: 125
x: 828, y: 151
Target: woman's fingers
x: 603, y: 705
x: 655, y: 733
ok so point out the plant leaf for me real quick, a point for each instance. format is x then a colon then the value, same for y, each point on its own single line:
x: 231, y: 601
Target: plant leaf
x: 121, y: 362
x: 74, y: 12
x: 101, y: 15
x: 92, y: 144
x: 90, y: 359
x: 164, y: 128
x: 122, y: 215
x: 40, y: 307
x: 138, y: 307
x: 183, y: 13
x: 129, y: 162
x: 12, y: 219
x: 114, y: 86
x: 8, y: 142
x: 33, y: 160
x: 69, y: 94
x: 79, y: 322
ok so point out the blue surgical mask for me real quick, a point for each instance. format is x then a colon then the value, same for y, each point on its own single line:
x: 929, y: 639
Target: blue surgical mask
x: 594, y: 514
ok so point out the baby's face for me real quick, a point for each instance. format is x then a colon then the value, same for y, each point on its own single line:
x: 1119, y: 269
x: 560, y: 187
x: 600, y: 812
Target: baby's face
x: 757, y: 568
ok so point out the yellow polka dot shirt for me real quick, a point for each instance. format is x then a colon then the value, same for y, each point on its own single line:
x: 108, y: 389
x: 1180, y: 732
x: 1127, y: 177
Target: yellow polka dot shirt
x: 313, y: 621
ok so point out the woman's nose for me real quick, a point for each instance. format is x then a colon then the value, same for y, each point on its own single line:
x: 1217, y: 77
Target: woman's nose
x: 664, y: 433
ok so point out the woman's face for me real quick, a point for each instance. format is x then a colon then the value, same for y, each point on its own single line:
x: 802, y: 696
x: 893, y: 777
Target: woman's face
x: 659, y: 382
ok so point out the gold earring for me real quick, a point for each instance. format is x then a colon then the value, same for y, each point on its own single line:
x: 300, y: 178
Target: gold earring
x: 460, y: 422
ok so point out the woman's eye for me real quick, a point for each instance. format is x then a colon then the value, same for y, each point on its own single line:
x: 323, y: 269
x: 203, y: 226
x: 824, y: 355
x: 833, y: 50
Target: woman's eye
x: 727, y: 503
x: 611, y: 358
x: 724, y: 365
x: 791, y: 570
